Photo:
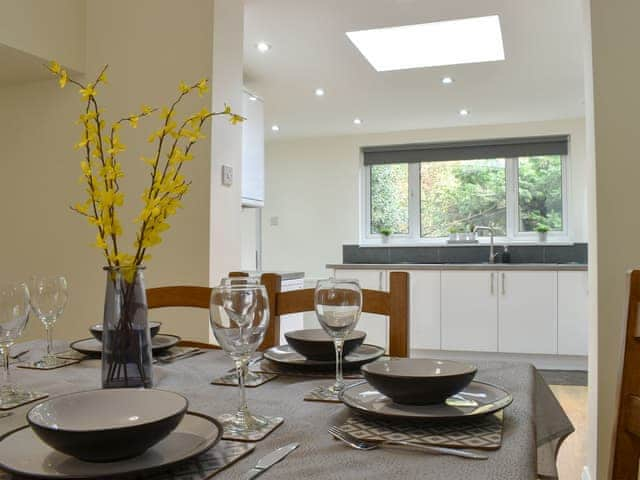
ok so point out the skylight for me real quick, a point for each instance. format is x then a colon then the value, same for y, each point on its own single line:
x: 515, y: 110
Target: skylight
x: 451, y: 42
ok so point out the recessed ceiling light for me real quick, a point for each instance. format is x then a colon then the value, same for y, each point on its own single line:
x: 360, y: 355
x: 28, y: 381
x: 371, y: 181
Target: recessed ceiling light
x: 263, y: 47
x: 447, y: 80
x: 464, y: 112
x: 253, y: 98
x: 452, y: 42
x: 275, y: 128
x: 319, y: 92
x: 357, y: 121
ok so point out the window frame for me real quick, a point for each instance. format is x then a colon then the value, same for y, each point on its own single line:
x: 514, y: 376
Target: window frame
x: 512, y: 203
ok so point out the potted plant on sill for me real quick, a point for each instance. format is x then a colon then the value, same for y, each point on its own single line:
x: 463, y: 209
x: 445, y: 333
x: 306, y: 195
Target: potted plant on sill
x: 542, y: 230
x: 386, y: 233
x: 126, y: 340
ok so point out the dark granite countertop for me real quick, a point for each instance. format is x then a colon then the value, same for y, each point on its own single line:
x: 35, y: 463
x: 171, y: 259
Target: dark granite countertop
x: 461, y: 266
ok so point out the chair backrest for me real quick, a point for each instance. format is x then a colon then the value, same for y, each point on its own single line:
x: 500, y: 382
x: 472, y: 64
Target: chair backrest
x: 394, y: 304
x: 627, y: 442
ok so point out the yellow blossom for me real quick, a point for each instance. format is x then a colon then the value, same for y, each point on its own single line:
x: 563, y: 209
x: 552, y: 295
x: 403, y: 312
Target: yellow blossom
x: 63, y: 78
x: 103, y: 77
x: 54, y: 67
x: 87, y: 92
x: 134, y: 121
x: 184, y: 88
x: 146, y: 109
x: 227, y: 109
x: 100, y: 243
x: 236, y: 119
x: 202, y: 86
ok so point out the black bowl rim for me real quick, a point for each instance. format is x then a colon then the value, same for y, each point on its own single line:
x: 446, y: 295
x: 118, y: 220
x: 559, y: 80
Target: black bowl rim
x: 180, y: 412
x: 292, y: 333
x: 472, y: 369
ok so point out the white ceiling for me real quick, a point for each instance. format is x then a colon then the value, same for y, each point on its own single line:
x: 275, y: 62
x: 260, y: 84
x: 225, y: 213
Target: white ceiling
x: 541, y: 78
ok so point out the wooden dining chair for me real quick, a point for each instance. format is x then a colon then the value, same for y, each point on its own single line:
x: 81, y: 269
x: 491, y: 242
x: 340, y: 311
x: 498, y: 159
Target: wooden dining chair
x: 627, y: 440
x: 181, y: 296
x: 394, y: 304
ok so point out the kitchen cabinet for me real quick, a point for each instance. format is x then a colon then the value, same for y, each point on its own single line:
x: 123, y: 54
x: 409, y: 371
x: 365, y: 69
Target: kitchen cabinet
x: 527, y: 314
x: 252, y: 151
x: 469, y: 311
x: 573, y: 318
x: 292, y: 321
x: 424, y: 314
x: 376, y: 326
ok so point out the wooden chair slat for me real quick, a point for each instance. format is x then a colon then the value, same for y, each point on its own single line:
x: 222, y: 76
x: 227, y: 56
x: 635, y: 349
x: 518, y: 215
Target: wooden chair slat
x: 178, y: 296
x: 627, y: 440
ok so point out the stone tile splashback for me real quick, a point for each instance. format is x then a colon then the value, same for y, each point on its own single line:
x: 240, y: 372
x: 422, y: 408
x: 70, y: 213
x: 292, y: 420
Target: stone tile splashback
x: 575, y: 253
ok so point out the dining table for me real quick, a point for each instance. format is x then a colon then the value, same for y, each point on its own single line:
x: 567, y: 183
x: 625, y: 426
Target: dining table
x: 534, y: 425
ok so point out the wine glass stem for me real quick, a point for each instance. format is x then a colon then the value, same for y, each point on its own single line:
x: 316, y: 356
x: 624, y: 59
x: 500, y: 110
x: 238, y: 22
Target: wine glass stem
x: 339, y: 385
x: 6, y: 379
x: 49, y: 329
x: 240, y: 368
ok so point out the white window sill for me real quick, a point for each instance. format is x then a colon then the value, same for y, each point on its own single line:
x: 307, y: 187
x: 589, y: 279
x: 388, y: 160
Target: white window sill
x: 482, y: 242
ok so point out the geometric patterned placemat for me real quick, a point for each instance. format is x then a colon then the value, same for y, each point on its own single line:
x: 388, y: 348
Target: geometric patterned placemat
x: 271, y: 425
x: 202, y: 467
x: 266, y: 366
x: 253, y: 379
x: 23, y: 399
x: 484, y: 433
x: 72, y: 355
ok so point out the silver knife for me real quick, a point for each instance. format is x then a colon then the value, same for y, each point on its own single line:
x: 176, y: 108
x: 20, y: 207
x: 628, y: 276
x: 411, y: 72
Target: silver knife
x: 270, y: 459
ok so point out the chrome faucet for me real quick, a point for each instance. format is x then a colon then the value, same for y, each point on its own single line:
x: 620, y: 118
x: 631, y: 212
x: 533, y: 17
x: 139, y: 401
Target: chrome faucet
x: 492, y: 256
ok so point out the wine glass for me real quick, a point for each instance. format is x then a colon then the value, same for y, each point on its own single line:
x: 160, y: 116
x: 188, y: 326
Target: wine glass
x: 49, y: 296
x: 14, y: 314
x: 248, y: 374
x: 239, y: 316
x: 338, y: 305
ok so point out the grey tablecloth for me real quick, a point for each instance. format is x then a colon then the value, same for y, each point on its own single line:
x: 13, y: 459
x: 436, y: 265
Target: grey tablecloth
x: 534, y: 424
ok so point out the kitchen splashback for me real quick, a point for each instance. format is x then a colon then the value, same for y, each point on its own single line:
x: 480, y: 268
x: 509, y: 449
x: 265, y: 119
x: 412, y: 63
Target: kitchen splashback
x: 575, y: 253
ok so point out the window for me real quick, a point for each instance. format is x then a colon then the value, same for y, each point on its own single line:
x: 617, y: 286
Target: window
x: 426, y: 192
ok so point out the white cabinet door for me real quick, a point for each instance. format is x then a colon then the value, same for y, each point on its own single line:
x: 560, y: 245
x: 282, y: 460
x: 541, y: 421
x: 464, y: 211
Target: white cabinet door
x: 469, y: 311
x: 293, y: 321
x: 374, y: 325
x: 527, y: 312
x: 252, y: 152
x: 424, y: 317
x: 573, y: 319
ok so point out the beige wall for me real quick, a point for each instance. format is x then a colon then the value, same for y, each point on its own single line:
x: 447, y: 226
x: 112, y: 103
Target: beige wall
x: 313, y: 187
x: 150, y: 45
x: 616, y: 74
x: 46, y: 29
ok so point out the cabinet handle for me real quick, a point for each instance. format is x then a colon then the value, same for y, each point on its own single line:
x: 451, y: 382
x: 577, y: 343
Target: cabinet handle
x: 491, y: 283
x: 503, y: 289
x: 380, y: 280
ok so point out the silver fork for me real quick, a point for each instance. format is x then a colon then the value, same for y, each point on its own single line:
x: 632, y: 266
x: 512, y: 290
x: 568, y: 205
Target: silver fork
x: 361, y: 444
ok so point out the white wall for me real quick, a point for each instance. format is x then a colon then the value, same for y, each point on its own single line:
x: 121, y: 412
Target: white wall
x: 313, y: 187
x: 46, y: 29
x: 616, y: 75
x: 150, y: 45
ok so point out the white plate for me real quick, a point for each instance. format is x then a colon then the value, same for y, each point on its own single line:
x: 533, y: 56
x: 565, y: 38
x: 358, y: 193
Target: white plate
x: 286, y: 355
x: 23, y: 453
x: 369, y: 401
x: 91, y: 346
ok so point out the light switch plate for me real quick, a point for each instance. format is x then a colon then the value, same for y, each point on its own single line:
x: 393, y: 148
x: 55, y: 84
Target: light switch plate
x: 227, y: 175
x: 274, y: 221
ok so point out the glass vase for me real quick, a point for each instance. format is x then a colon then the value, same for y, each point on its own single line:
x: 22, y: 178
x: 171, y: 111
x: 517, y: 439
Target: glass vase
x: 126, y: 341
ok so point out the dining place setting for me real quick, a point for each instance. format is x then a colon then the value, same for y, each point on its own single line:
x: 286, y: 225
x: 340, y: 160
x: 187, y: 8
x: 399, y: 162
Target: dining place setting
x: 330, y: 395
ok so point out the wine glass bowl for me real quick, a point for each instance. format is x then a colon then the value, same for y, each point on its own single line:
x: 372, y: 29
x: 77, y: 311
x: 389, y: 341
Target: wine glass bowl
x: 239, y: 316
x: 338, y: 304
x: 14, y: 315
x: 49, y: 296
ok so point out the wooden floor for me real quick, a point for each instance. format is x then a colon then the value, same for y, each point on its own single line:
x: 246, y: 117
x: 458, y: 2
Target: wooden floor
x: 572, y: 455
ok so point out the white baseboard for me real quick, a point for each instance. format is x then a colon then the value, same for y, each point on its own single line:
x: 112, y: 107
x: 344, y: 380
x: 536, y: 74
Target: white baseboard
x: 545, y: 362
x: 585, y: 474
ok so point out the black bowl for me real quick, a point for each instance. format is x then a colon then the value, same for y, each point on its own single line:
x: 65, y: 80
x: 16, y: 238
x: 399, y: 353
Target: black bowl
x: 107, y: 425
x: 96, y: 330
x: 316, y: 344
x: 418, y: 381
